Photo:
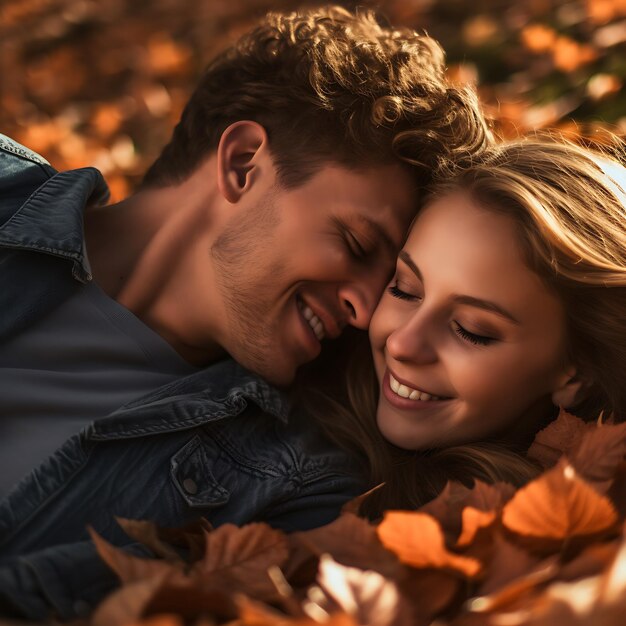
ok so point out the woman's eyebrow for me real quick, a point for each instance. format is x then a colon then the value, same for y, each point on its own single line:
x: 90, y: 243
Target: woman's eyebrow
x: 406, y: 257
x: 488, y: 306
x: 472, y: 301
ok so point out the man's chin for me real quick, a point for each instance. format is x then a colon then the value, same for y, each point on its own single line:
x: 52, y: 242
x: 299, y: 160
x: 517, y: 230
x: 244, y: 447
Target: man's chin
x: 278, y: 379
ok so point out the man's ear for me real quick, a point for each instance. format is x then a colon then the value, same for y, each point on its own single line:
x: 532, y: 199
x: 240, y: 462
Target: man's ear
x: 237, y: 156
x: 569, y: 390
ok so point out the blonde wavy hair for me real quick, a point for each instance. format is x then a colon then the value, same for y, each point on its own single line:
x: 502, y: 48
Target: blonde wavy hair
x: 329, y: 85
x: 569, y: 205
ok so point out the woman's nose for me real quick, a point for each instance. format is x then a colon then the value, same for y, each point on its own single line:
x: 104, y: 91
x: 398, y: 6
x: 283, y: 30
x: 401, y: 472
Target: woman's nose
x: 412, y: 341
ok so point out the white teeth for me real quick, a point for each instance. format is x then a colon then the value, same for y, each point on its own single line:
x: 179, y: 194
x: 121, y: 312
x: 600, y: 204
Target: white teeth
x: 406, y: 392
x: 314, y: 322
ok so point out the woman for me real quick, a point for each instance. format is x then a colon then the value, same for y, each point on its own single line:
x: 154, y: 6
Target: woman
x: 509, y: 300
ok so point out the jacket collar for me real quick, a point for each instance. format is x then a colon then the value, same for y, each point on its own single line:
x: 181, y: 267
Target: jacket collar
x: 219, y: 391
x: 51, y: 220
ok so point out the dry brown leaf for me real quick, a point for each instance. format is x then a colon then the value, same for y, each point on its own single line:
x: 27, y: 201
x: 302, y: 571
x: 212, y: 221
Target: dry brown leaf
x: 239, y: 558
x: 558, y: 506
x: 558, y: 438
x: 354, y: 506
x: 350, y: 540
x: 417, y: 540
x: 430, y: 592
x: 447, y: 508
x: 127, y: 605
x: 130, y: 568
x: 517, y: 591
x: 147, y: 534
x: 617, y: 491
x: 508, y: 562
x: 597, y: 457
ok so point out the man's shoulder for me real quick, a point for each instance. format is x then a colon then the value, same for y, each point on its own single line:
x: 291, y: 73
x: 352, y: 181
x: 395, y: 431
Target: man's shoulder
x: 22, y: 171
x: 14, y: 149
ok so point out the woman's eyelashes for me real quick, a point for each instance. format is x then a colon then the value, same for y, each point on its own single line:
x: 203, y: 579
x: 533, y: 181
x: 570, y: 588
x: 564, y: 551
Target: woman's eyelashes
x: 402, y: 294
x: 479, y: 340
x: 396, y: 292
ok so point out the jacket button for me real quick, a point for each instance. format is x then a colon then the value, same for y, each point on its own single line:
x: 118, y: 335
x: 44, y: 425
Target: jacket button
x: 190, y: 486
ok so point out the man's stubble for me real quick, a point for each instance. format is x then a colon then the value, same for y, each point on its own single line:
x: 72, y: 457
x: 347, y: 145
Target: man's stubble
x: 245, y: 275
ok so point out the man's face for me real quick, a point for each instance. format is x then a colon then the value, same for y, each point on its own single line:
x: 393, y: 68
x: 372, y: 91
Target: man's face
x: 297, y: 267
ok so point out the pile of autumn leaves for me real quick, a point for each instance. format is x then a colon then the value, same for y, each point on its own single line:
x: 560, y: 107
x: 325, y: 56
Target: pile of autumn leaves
x: 551, y: 553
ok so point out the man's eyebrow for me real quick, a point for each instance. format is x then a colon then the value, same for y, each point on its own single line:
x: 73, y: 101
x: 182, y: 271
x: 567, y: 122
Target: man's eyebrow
x: 470, y: 300
x: 381, y: 234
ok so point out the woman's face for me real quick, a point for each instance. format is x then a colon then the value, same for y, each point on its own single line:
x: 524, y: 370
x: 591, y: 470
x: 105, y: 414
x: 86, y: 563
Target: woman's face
x: 467, y: 340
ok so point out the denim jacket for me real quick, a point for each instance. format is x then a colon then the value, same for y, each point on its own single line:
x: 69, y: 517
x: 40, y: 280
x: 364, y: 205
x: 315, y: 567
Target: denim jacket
x: 218, y: 444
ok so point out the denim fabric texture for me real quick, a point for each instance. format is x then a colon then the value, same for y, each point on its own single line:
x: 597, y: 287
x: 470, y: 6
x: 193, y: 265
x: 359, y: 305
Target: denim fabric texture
x: 218, y: 444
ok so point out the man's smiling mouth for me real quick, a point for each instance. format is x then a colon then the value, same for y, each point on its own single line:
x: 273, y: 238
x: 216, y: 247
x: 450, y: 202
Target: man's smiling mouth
x: 316, y: 324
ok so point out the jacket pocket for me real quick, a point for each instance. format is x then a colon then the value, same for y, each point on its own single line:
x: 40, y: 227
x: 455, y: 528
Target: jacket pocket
x: 190, y: 470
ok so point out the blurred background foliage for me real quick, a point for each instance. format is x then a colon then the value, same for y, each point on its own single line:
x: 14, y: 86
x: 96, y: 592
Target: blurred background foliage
x: 102, y: 82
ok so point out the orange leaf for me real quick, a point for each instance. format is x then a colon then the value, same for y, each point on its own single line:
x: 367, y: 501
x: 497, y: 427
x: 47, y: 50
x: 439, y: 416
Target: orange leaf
x: 473, y: 521
x: 417, y: 540
x: 558, y: 506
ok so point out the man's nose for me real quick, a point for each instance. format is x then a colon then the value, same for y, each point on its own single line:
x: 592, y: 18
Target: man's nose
x: 358, y: 300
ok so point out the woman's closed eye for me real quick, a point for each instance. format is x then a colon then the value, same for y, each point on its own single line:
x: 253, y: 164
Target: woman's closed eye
x: 396, y: 292
x: 466, y: 335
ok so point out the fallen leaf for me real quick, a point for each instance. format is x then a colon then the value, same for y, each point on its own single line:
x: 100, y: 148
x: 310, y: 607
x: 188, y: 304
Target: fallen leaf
x: 127, y: 604
x: 557, y: 507
x: 350, y: 540
x: 129, y: 568
x: 431, y: 592
x: 366, y: 596
x: 557, y: 439
x: 147, y: 534
x: 354, y: 506
x: 447, y: 508
x: 473, y: 521
x: 507, y: 563
x: 599, y: 453
x: 252, y: 613
x: 417, y: 540
x: 240, y: 558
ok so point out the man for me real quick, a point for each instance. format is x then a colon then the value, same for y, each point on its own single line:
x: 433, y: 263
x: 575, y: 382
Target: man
x: 269, y: 223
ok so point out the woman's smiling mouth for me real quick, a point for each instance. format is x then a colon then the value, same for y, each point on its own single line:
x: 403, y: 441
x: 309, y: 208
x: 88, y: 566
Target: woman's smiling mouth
x: 405, y: 397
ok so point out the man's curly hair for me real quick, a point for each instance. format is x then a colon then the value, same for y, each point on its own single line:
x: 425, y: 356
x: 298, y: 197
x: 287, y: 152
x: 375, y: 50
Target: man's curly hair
x: 328, y: 85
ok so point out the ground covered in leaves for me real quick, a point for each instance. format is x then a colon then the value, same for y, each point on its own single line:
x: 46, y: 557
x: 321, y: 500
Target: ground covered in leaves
x: 87, y: 82
x: 551, y: 553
